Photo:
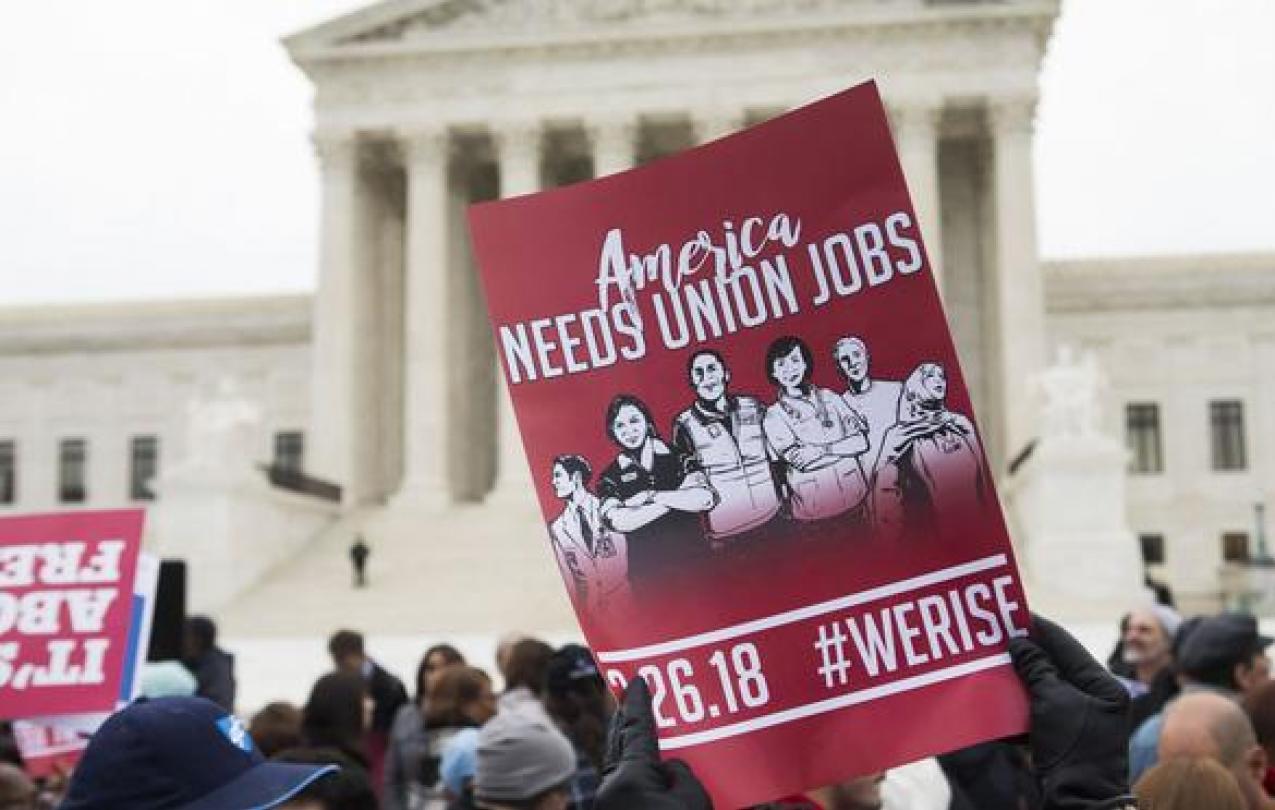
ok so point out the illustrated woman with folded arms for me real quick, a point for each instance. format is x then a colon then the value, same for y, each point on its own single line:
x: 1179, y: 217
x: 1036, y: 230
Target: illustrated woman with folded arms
x: 652, y: 493
x: 819, y: 437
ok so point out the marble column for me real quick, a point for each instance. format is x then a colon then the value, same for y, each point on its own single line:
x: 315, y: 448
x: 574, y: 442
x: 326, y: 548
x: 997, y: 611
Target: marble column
x: 710, y: 125
x: 426, y: 417
x: 518, y: 157
x: 614, y: 143
x: 1019, y: 285
x: 329, y: 454
x: 916, y: 134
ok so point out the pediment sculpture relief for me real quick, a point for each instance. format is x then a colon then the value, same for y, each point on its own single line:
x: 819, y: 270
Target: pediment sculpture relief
x: 522, y: 15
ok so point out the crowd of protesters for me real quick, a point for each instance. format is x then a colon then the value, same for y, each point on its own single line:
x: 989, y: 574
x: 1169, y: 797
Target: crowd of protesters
x: 1181, y: 718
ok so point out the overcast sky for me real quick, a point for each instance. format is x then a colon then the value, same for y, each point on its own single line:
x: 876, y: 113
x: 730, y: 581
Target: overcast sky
x: 153, y: 148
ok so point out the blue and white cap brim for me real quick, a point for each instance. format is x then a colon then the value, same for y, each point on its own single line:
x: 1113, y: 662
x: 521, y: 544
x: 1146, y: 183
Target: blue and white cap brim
x: 268, y: 785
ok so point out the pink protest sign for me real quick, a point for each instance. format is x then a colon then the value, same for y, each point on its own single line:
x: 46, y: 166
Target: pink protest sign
x: 66, y: 601
x: 755, y: 452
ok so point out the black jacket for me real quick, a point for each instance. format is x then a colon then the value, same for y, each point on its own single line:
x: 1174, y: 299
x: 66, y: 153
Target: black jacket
x: 388, y: 695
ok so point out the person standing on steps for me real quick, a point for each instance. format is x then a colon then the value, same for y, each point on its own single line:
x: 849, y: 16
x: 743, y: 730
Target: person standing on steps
x: 359, y: 553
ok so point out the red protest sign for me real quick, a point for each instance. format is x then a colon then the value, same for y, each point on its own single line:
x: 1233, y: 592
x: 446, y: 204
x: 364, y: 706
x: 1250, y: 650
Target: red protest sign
x: 48, y: 750
x: 756, y: 455
x: 65, y: 608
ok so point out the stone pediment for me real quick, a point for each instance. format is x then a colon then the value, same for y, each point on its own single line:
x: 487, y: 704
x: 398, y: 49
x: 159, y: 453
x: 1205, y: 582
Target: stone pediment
x: 397, y: 21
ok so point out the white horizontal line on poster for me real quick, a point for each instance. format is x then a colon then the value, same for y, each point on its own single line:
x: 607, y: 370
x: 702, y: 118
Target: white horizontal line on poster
x: 807, y: 612
x: 833, y: 704
x: 55, y: 750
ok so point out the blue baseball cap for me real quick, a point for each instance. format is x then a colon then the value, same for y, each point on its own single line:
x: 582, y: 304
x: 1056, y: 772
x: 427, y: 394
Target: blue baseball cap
x: 181, y: 753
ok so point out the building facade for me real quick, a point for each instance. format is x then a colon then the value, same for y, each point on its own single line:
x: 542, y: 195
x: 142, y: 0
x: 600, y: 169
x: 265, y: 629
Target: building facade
x: 1188, y: 350
x: 424, y: 106
x: 94, y: 399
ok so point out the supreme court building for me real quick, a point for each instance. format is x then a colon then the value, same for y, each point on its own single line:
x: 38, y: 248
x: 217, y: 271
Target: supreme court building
x: 424, y: 107
x: 387, y: 377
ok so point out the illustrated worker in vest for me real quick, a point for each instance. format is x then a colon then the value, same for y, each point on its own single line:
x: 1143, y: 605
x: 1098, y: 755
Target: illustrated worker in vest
x: 875, y: 400
x: 591, y: 555
x: 819, y: 437
x: 723, y: 433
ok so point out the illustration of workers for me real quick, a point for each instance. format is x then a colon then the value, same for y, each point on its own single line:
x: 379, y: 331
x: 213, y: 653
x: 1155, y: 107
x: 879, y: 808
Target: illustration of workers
x: 931, y: 461
x: 819, y: 437
x: 590, y: 554
x: 654, y: 494
x: 875, y: 400
x: 723, y: 433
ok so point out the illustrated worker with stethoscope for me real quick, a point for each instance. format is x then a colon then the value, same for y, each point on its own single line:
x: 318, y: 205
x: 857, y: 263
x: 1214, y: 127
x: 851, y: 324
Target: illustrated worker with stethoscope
x: 723, y: 433
x: 819, y: 437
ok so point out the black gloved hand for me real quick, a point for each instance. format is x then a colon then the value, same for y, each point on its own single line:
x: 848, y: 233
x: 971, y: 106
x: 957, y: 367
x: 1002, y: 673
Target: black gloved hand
x: 633, y: 778
x: 1079, y: 721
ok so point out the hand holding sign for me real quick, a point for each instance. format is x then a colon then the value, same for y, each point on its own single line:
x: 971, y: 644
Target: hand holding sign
x: 633, y: 777
x: 1079, y: 718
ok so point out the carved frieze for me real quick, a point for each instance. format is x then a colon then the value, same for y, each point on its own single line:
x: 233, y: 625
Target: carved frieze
x: 523, y: 15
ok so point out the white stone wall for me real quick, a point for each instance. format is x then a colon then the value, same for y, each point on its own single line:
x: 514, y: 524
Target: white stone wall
x: 1181, y: 332
x: 107, y: 373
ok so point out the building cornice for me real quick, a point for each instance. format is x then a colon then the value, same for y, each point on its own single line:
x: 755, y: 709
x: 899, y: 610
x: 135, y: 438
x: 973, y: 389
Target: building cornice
x: 1160, y: 282
x: 332, y: 42
x: 140, y: 325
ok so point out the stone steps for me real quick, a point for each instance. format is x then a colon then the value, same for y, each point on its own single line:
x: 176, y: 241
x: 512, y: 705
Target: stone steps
x: 475, y: 570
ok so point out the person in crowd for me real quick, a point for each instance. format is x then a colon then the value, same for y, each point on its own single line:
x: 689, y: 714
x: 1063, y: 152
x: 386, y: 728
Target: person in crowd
x: 336, y: 715
x: 818, y: 436
x: 213, y: 667
x: 1212, y: 726
x: 17, y: 791
x: 996, y: 774
x: 1224, y: 654
x: 9, y: 745
x: 1152, y: 676
x: 875, y: 400
x: 437, y: 658
x: 408, y: 730
x: 578, y: 700
x: 592, y: 557
x: 386, y: 690
x: 1077, y: 736
x: 1147, y: 647
x: 167, y: 679
x: 931, y: 461
x: 918, y: 785
x: 524, y: 763
x: 347, y: 789
x: 504, y: 647
x: 359, y: 552
x: 653, y: 494
x: 1115, y: 659
x: 276, y: 727
x: 409, y: 724
x: 182, y: 752
x: 722, y: 432
x: 461, y: 698
x: 1261, y: 712
x: 525, y: 674
x: 1188, y: 784
x: 457, y: 769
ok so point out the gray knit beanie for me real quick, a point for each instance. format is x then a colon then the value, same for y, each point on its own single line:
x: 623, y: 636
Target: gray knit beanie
x: 521, y: 755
